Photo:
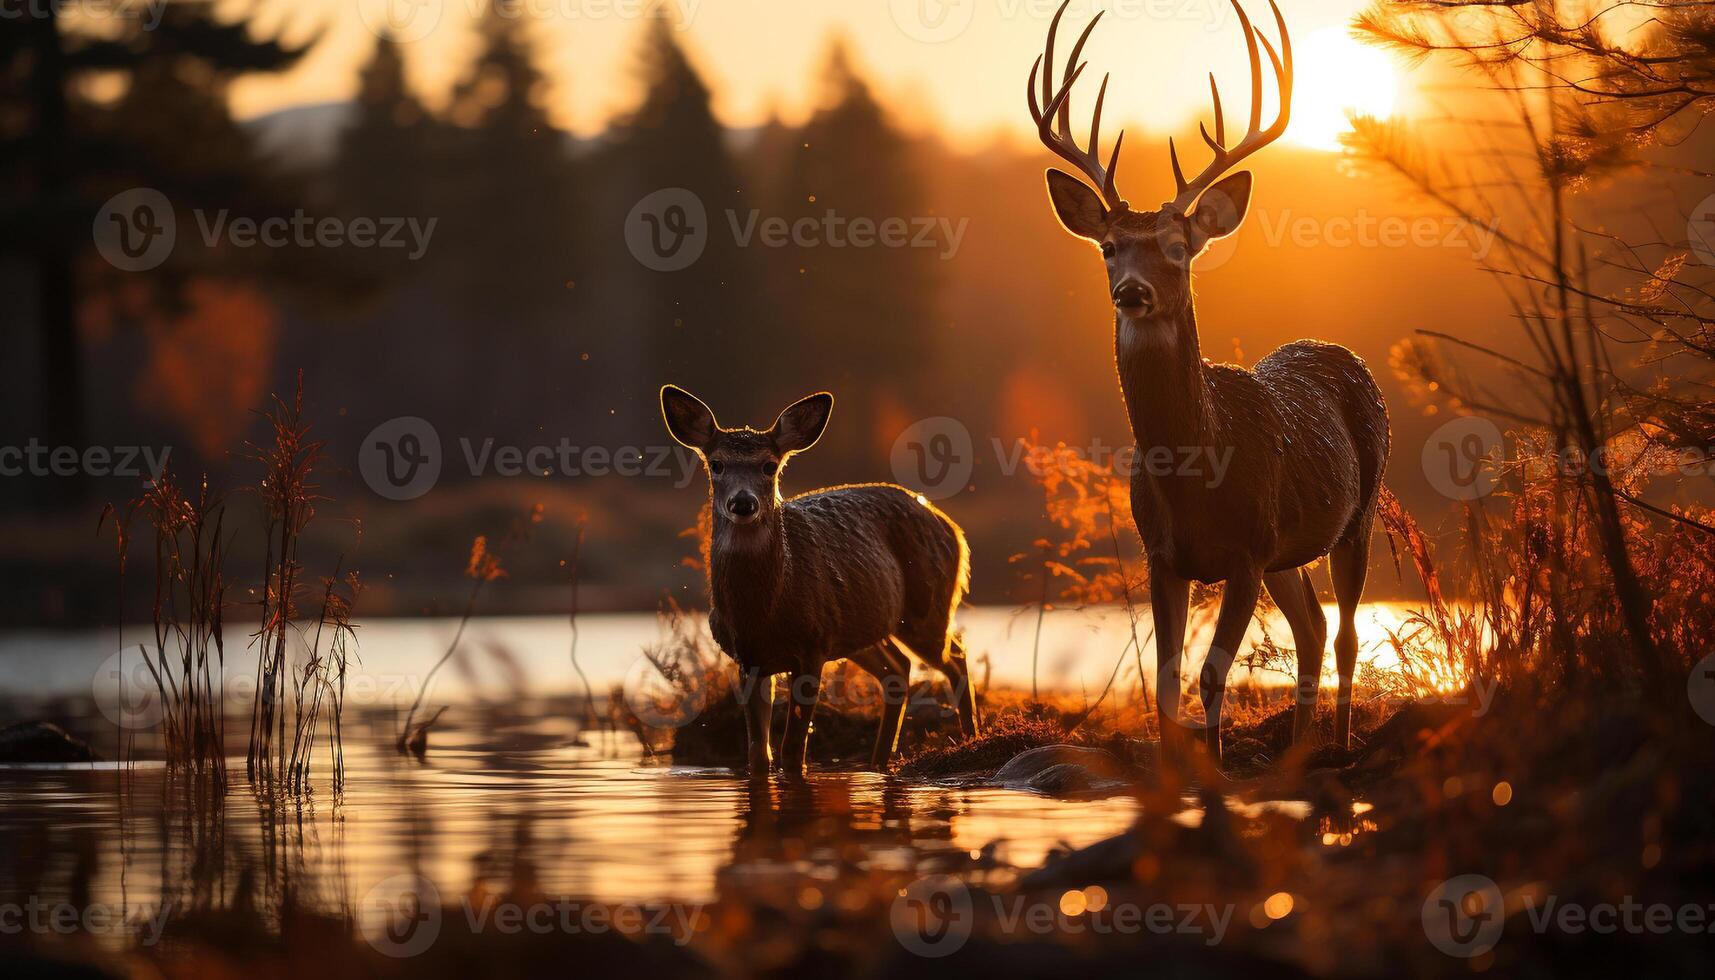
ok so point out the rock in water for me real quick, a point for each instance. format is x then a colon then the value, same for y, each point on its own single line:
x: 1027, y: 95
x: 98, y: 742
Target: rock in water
x: 42, y: 741
x: 1060, y: 770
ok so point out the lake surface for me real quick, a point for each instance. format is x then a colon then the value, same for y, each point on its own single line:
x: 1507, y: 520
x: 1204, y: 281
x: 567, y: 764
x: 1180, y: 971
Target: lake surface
x: 510, y: 790
x: 509, y: 657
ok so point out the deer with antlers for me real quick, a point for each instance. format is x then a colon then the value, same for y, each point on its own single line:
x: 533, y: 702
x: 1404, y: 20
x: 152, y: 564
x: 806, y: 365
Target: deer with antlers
x: 1305, y: 430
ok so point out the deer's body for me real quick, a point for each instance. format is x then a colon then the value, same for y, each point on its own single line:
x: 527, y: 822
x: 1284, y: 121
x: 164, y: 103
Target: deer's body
x: 841, y: 570
x: 868, y: 572
x: 1307, y: 434
x: 1303, y: 435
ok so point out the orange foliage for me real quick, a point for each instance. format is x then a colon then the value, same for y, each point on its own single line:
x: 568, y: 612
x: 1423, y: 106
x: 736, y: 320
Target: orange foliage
x: 209, y: 367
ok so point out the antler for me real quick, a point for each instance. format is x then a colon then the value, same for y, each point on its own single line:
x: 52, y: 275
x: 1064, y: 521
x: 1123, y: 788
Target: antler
x: 1057, y: 102
x: 1256, y: 138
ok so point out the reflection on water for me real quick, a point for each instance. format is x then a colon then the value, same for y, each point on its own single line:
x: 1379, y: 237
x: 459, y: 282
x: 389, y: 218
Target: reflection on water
x: 535, y: 809
x: 504, y: 657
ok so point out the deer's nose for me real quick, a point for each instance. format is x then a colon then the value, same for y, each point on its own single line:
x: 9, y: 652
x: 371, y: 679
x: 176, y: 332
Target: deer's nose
x: 1134, y: 294
x: 743, y: 504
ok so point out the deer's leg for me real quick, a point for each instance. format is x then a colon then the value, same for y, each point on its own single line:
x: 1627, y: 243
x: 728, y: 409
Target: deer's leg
x: 1169, y: 604
x: 1293, y: 593
x: 756, y: 690
x: 892, y: 670
x: 801, y: 699
x: 958, y: 671
x: 1238, y: 605
x: 1349, y: 563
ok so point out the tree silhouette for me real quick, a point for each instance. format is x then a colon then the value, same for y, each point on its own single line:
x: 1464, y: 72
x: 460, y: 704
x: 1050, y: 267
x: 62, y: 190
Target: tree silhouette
x: 693, y: 322
x: 867, y: 310
x: 170, y: 130
x: 506, y: 186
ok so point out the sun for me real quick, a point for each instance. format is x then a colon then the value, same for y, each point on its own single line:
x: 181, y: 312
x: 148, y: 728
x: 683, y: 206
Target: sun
x: 1336, y: 75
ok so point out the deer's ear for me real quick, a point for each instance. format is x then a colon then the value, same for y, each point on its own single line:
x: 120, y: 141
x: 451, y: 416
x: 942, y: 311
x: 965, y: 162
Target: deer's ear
x: 689, y: 421
x: 1080, y: 209
x: 803, y: 422
x: 1220, y: 210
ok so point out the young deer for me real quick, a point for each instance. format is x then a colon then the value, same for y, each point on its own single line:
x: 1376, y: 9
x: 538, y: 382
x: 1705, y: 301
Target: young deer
x: 1306, y: 429
x: 866, y: 572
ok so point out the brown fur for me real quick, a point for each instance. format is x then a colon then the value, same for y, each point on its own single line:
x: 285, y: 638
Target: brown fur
x: 867, y: 572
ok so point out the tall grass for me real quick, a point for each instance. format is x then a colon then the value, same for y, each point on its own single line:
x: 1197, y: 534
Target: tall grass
x: 300, y: 679
x: 187, y: 657
x: 288, y: 499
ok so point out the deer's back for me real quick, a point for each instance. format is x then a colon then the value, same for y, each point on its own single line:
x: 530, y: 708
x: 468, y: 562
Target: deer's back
x: 862, y: 563
x: 883, y: 549
x: 1334, y: 436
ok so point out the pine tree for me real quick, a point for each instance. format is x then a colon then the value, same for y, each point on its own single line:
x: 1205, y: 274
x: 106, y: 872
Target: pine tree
x: 692, y: 323
x: 171, y: 130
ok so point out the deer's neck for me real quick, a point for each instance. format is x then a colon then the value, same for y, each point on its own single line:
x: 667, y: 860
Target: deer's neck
x: 1161, y: 376
x: 747, y: 564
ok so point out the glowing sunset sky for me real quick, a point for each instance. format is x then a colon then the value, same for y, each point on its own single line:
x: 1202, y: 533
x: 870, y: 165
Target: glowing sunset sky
x: 957, y: 64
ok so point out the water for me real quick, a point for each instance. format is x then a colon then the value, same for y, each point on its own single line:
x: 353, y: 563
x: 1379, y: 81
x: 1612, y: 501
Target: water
x: 510, y: 789
x: 529, y: 656
x: 593, y: 820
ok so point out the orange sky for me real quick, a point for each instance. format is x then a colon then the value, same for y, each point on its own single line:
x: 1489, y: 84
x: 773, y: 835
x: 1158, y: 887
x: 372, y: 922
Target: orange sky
x: 956, y: 64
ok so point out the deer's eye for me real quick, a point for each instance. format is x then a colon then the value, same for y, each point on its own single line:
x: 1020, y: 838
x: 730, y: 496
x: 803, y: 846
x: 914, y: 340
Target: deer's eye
x: 717, y: 467
x: 1107, y: 250
x: 770, y: 468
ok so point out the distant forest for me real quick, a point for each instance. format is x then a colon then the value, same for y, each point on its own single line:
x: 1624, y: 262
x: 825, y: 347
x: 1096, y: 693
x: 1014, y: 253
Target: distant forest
x: 527, y: 320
